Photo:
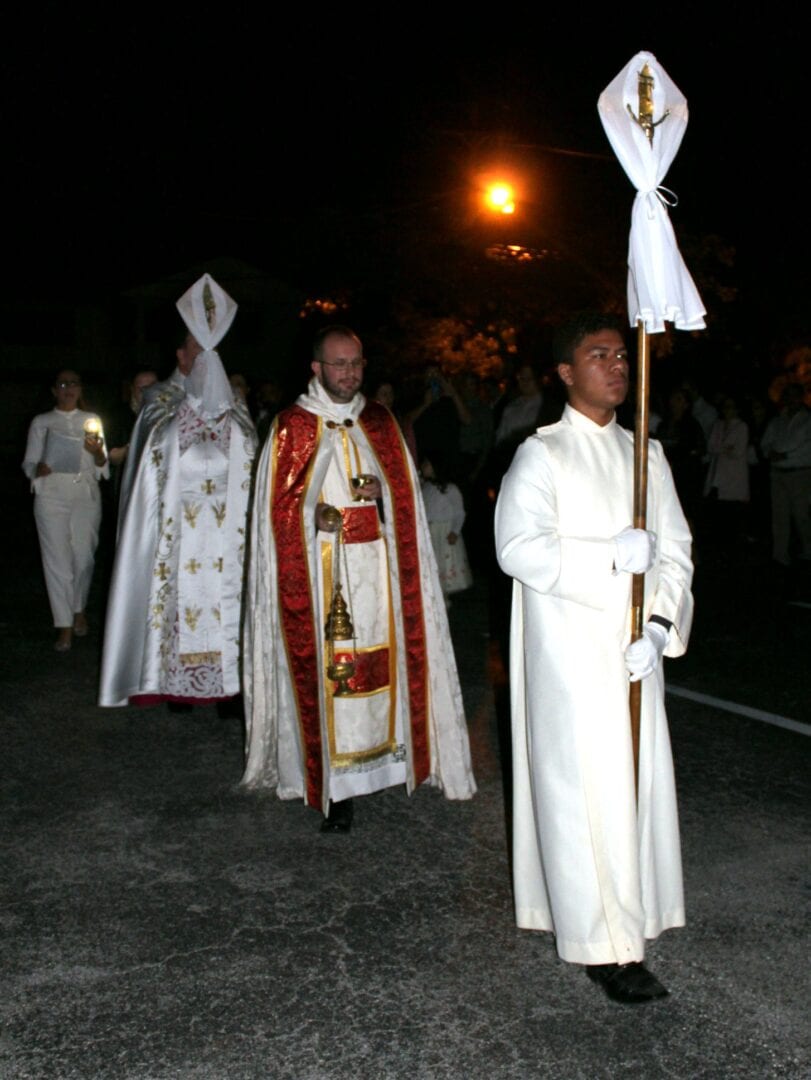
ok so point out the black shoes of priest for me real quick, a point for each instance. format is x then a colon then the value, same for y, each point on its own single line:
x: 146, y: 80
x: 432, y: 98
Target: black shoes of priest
x: 629, y: 984
x: 339, y: 818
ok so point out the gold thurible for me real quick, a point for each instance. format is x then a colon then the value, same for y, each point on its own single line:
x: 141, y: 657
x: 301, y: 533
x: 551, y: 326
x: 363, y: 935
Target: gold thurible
x: 338, y: 626
x: 645, y: 91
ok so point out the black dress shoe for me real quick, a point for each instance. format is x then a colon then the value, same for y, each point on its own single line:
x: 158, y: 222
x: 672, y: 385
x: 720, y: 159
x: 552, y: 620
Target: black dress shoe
x: 231, y: 708
x: 629, y: 984
x: 339, y: 818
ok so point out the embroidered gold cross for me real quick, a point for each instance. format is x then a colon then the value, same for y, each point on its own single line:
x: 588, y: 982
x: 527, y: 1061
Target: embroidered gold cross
x: 218, y: 564
x: 162, y: 571
x: 193, y: 566
x: 208, y: 487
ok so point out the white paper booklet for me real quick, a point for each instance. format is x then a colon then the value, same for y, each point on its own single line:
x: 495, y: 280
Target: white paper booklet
x: 63, y: 452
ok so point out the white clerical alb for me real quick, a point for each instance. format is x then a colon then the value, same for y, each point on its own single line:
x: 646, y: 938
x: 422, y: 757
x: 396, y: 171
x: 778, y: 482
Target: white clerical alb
x: 587, y: 865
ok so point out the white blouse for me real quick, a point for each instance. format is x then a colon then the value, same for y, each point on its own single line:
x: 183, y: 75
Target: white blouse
x: 70, y: 426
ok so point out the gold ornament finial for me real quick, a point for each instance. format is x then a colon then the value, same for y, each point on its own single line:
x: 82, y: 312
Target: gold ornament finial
x: 210, y: 305
x: 645, y: 118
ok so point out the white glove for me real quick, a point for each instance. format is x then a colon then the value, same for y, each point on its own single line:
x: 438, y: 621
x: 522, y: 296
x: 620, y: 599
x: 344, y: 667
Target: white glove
x: 642, y: 656
x: 635, y: 550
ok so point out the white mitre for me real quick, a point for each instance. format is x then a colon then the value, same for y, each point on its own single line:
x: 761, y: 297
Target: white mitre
x: 208, y: 311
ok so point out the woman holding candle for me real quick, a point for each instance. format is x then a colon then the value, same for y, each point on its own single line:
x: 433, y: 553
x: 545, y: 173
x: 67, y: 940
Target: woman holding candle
x: 64, y: 458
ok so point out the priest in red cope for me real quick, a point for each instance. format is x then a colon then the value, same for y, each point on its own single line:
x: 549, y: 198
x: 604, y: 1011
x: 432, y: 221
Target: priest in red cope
x: 341, y: 572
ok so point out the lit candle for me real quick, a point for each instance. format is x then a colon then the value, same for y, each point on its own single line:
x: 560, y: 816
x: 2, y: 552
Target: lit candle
x: 92, y: 426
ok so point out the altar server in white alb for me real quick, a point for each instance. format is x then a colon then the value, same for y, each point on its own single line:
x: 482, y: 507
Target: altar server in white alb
x: 590, y: 865
x: 173, y: 617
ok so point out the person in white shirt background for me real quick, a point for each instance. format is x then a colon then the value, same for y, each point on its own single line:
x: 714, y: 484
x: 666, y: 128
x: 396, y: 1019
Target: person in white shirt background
x: 65, y: 457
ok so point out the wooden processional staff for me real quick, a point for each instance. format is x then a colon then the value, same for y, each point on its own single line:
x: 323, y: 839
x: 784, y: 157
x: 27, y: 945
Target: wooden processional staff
x: 660, y: 288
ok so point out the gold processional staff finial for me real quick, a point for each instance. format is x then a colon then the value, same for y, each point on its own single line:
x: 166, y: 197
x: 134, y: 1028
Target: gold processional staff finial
x: 209, y: 305
x: 645, y: 118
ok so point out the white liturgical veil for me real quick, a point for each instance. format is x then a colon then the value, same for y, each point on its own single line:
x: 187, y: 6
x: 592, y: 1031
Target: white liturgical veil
x: 659, y: 285
x: 208, y: 311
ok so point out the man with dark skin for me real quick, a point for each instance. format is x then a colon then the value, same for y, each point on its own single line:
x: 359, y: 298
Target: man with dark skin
x: 590, y: 865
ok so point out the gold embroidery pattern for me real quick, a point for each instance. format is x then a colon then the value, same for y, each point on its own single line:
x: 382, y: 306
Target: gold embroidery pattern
x: 192, y: 566
x: 157, y: 458
x: 190, y: 512
x: 192, y: 615
x: 218, y: 564
x: 219, y: 513
x: 215, y: 611
x: 162, y: 611
x: 192, y: 659
x: 208, y: 487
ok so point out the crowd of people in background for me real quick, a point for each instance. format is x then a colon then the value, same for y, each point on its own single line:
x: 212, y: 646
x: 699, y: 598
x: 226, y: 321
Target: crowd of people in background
x: 741, y: 463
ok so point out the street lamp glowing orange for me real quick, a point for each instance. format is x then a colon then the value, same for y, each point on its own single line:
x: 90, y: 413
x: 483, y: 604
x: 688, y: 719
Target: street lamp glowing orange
x: 500, y: 198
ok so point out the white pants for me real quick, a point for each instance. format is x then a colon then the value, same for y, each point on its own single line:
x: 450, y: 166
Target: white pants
x: 68, y: 516
x: 791, y: 491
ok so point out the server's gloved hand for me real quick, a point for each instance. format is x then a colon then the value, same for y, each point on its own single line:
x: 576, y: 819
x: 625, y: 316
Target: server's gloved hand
x: 635, y: 550
x: 642, y: 657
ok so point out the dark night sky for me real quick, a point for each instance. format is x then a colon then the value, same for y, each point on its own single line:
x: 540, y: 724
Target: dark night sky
x: 137, y: 147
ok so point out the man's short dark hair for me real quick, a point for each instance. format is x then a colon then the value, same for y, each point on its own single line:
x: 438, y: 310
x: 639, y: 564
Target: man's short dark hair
x: 335, y: 330
x: 571, y: 332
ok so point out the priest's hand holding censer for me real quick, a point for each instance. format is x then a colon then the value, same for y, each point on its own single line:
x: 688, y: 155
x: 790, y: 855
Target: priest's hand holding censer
x: 367, y: 487
x: 328, y: 518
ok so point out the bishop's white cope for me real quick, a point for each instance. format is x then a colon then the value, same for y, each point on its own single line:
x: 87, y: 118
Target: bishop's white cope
x: 587, y: 866
x: 173, y: 614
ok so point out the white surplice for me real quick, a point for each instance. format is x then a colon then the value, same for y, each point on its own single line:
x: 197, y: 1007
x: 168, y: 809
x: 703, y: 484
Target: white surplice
x: 364, y: 741
x: 586, y: 866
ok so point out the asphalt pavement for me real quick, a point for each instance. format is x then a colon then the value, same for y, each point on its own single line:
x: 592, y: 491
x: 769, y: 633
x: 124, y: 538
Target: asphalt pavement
x: 158, y: 922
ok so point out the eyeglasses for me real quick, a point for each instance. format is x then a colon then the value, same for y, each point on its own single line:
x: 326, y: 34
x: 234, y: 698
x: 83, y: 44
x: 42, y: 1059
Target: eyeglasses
x: 68, y: 382
x: 346, y: 365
